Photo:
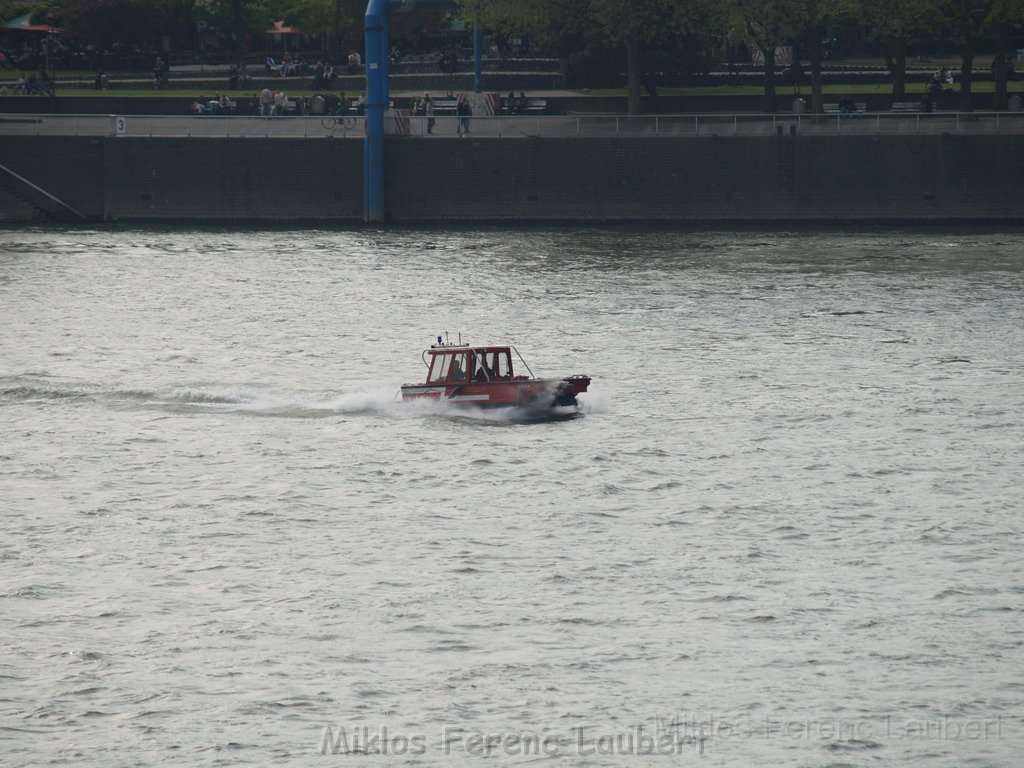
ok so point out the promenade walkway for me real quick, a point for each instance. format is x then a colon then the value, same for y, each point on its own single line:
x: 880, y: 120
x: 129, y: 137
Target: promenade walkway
x: 400, y: 125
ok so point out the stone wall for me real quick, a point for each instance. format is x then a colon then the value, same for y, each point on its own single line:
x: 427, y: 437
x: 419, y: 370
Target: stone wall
x: 780, y: 178
x: 728, y: 179
x: 129, y: 179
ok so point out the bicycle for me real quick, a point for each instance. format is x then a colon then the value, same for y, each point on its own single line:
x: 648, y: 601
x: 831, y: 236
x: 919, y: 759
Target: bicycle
x: 334, y: 124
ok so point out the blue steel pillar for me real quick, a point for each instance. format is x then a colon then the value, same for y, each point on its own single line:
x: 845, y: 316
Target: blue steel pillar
x: 385, y: 63
x: 378, y: 56
x: 376, y: 103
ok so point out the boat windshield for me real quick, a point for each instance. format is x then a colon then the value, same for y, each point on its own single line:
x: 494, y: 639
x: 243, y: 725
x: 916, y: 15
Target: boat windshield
x: 478, y: 365
x: 449, y: 366
x: 439, y: 368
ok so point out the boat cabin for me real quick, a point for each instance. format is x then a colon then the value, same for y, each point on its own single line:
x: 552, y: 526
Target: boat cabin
x: 484, y: 377
x: 462, y: 365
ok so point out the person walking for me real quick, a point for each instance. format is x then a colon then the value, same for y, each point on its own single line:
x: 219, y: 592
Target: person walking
x: 464, y: 111
x: 428, y: 110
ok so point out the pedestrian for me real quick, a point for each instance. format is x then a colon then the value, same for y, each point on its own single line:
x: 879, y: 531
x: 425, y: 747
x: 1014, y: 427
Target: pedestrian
x: 464, y: 111
x: 266, y: 101
x: 428, y: 110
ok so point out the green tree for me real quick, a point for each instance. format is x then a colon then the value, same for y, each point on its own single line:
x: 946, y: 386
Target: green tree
x: 643, y: 29
x: 238, y: 17
x: 1005, y: 20
x: 767, y: 25
x: 340, y: 20
x: 105, y: 22
x: 8, y: 10
x: 812, y: 25
x: 967, y: 22
x: 643, y: 35
x: 46, y: 12
x: 893, y: 25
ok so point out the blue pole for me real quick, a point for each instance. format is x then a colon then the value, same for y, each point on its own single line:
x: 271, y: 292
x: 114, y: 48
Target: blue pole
x: 378, y: 53
x: 376, y: 103
x: 385, y: 47
x: 477, y: 40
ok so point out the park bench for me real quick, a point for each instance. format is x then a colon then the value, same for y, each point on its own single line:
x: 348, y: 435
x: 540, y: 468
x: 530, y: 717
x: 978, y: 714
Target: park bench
x: 533, y: 107
x: 832, y: 108
x: 906, y: 106
x: 444, y: 106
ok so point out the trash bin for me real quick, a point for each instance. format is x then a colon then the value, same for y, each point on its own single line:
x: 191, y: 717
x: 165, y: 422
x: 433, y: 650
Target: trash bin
x: 1014, y: 104
x: 319, y: 106
x: 799, y: 106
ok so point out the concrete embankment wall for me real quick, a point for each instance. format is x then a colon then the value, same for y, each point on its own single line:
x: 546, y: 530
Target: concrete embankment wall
x: 792, y: 178
x: 131, y: 179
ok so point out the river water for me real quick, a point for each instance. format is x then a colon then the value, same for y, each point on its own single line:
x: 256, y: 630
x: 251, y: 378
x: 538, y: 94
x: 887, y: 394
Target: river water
x: 785, y: 531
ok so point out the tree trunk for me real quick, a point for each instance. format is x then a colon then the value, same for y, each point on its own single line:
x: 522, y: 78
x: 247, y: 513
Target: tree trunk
x: 633, y: 74
x: 814, y: 51
x: 334, y: 44
x: 238, y: 27
x: 650, y: 84
x: 896, y: 61
x: 769, y: 80
x: 999, y: 66
x: 966, y: 71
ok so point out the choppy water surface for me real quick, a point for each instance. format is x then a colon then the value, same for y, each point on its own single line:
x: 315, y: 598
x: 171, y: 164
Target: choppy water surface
x: 787, y: 531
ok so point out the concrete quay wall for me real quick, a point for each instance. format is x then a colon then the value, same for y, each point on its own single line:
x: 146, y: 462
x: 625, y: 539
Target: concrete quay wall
x: 185, y: 179
x: 943, y: 178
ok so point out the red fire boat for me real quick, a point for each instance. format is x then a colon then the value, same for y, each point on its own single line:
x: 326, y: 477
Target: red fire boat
x: 487, y: 377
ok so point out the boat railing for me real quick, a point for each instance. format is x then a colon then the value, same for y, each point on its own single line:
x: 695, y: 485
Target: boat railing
x: 532, y: 375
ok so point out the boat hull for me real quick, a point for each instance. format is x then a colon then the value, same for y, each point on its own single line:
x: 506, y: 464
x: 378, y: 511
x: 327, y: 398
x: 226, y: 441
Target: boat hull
x: 529, y: 394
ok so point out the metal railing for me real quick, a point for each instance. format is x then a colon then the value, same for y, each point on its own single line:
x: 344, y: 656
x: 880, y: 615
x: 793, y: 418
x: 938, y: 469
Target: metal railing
x: 220, y: 126
x: 206, y: 126
x: 713, y: 125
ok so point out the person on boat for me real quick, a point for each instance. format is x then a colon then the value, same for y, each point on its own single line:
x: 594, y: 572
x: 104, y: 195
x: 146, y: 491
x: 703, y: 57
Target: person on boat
x: 456, y: 373
x: 483, y: 371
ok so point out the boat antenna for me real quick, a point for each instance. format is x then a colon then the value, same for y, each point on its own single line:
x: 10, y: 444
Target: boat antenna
x: 460, y: 338
x: 446, y: 337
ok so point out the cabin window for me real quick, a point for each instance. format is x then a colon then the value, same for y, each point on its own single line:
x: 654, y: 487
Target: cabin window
x: 481, y: 366
x: 458, y: 370
x: 439, y: 368
x: 502, y: 364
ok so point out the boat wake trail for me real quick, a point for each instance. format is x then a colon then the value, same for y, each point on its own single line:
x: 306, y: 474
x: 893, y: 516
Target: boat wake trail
x: 254, y: 401
x: 40, y: 388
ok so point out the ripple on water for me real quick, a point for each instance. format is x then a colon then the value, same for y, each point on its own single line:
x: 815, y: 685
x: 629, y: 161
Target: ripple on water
x: 221, y: 533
